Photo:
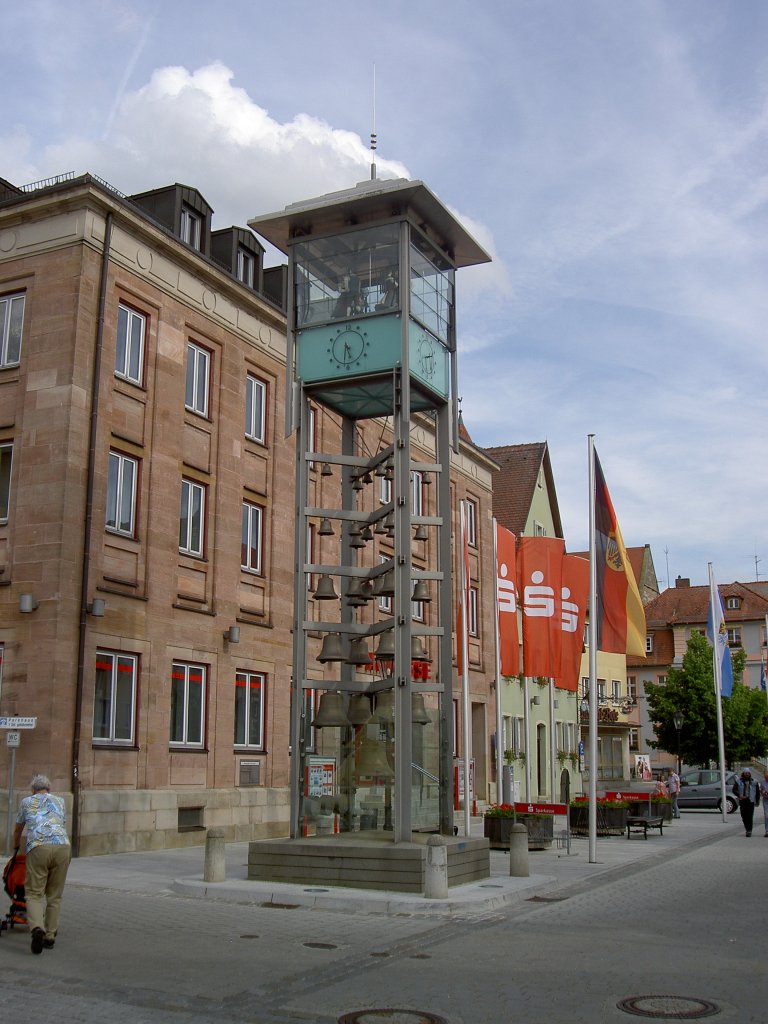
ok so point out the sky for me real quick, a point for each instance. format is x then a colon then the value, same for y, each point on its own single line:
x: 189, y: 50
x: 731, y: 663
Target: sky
x: 611, y: 155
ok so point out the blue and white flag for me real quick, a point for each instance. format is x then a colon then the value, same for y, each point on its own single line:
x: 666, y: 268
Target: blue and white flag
x: 723, y: 658
x: 762, y: 676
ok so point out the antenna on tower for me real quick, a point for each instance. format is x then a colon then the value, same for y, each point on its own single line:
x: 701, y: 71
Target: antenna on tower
x: 373, y: 131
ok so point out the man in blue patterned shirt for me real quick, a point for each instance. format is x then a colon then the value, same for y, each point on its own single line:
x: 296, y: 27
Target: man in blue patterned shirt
x: 48, y: 856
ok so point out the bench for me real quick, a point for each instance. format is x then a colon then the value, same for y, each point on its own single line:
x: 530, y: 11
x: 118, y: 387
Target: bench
x: 641, y: 823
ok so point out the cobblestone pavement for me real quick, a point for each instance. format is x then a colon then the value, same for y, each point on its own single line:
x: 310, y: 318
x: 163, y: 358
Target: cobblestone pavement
x: 684, y: 919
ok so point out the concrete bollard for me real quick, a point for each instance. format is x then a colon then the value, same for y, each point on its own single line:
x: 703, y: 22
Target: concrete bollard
x: 436, y: 873
x: 215, y: 864
x: 518, y: 851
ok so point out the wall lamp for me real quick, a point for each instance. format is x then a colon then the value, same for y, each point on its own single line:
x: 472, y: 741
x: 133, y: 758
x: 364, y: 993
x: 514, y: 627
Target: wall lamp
x: 27, y: 603
x: 232, y: 634
x: 97, y: 607
x: 536, y: 700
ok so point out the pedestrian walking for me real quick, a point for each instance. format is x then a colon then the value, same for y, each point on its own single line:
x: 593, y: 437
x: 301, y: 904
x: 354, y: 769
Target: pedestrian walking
x: 48, y: 856
x: 764, y: 796
x: 748, y: 792
x: 673, y: 785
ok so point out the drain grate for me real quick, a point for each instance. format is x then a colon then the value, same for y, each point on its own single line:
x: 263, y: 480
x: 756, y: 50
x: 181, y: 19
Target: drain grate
x: 280, y: 906
x: 320, y: 945
x: 669, y: 1007
x: 392, y: 1016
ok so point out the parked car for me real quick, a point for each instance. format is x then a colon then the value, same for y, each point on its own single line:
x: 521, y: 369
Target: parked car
x: 701, y: 788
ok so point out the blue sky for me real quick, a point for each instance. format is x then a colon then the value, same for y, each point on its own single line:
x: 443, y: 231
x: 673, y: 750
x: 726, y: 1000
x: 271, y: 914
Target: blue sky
x: 611, y: 154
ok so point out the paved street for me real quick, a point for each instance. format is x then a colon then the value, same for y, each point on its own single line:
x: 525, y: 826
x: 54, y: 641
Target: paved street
x: 144, y: 940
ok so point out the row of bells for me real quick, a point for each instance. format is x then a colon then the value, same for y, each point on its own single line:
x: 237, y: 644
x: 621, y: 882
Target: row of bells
x: 360, y: 535
x: 331, y: 712
x: 333, y: 649
x: 361, y: 591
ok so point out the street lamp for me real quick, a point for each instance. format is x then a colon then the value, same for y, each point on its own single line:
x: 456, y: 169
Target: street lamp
x: 677, y: 718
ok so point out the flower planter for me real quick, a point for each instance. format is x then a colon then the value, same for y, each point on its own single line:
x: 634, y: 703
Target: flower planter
x: 658, y: 808
x: 540, y: 831
x: 610, y: 820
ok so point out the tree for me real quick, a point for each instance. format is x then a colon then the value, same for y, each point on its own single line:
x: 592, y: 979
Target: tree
x: 691, y: 689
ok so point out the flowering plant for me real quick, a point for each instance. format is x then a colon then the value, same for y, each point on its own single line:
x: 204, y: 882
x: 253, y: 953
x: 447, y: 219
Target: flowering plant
x: 499, y: 811
x: 583, y: 801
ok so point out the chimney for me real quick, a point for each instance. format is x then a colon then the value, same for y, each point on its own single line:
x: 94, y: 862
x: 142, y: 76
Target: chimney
x: 681, y: 581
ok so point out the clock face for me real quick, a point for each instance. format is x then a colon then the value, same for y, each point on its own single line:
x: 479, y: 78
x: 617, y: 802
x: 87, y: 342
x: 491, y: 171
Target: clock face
x: 427, y: 358
x: 348, y: 348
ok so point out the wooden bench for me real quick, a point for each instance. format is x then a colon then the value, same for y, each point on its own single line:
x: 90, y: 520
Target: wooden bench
x: 641, y: 823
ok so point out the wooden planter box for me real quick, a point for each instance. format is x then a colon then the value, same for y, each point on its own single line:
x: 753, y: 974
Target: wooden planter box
x: 611, y: 821
x: 540, y: 831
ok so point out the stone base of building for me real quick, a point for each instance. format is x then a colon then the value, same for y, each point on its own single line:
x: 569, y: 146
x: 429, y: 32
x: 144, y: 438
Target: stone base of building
x: 358, y: 860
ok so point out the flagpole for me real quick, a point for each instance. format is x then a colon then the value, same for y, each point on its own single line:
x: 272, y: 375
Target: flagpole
x: 718, y: 672
x: 465, y: 672
x: 592, y: 660
x: 499, y: 748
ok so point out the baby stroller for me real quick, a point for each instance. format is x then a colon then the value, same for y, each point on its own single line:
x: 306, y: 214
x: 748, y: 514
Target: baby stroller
x: 14, y: 875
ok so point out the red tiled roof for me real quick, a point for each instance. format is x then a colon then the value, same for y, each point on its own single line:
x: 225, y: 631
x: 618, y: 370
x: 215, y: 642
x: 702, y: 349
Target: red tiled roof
x: 515, y: 484
x: 691, y: 605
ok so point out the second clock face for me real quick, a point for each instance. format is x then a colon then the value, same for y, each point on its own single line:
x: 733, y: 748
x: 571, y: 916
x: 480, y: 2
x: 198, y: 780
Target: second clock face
x: 348, y: 348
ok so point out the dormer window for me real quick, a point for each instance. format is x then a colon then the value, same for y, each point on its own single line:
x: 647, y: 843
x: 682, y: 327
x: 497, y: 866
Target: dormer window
x: 245, y: 267
x: 191, y: 225
x: 733, y: 602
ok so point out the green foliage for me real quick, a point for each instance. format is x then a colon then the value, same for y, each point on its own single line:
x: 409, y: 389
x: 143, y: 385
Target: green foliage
x: 691, y: 689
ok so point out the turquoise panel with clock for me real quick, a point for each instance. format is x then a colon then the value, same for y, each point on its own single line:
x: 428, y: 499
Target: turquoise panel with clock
x: 427, y: 359
x: 348, y: 348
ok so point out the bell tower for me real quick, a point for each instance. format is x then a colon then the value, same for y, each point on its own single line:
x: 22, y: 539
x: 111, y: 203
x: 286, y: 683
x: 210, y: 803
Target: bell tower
x: 372, y: 343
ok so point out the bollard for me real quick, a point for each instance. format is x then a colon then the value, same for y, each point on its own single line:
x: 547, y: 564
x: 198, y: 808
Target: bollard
x: 518, y: 851
x: 215, y: 866
x: 436, y: 873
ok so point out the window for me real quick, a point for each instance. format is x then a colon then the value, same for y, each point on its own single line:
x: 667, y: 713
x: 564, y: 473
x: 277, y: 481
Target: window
x: 129, y: 350
x: 631, y: 688
x: 11, y: 321
x: 649, y: 644
x: 417, y: 493
x: 733, y: 602
x: 6, y: 458
x: 385, y: 489
x: 417, y: 611
x: 245, y: 267
x: 249, y: 709
x: 114, y: 702
x: 255, y: 406
x: 601, y: 689
x: 309, y: 717
x: 122, y: 474
x: 616, y: 691
x: 198, y: 367
x: 191, y: 227
x: 311, y: 432
x: 472, y: 612
x: 250, y: 557
x: 539, y: 529
x: 192, y: 518
x: 661, y: 680
x: 471, y: 512
x: 187, y: 704
x: 734, y: 636
x: 385, y: 603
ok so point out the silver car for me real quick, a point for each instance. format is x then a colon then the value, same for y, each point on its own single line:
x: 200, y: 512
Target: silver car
x: 701, y: 788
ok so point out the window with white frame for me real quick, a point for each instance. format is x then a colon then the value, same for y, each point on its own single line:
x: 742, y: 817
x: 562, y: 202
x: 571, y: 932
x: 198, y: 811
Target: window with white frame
x: 634, y: 739
x: 249, y: 709
x: 733, y: 602
x: 616, y: 691
x: 385, y: 490
x: 191, y: 227
x: 601, y: 689
x: 198, y: 379
x: 187, y: 704
x: 114, y: 701
x: 649, y: 643
x: 471, y: 514
x: 255, y: 408
x: 417, y: 493
x: 734, y: 636
x: 632, y: 687
x: 252, y: 537
x: 246, y: 265
x: 385, y: 603
x: 11, y: 323
x: 539, y: 529
x: 417, y: 611
x: 661, y: 680
x: 129, y: 347
x: 518, y: 732
x: 122, y: 476
x: 472, y: 611
x: 6, y: 460
x: 192, y: 518
x: 311, y: 432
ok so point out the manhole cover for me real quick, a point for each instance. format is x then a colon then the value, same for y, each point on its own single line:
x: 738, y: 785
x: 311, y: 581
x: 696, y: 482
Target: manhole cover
x: 668, y: 1007
x: 320, y: 945
x: 393, y: 1016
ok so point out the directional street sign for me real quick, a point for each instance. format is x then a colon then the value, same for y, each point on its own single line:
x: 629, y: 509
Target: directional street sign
x: 16, y: 722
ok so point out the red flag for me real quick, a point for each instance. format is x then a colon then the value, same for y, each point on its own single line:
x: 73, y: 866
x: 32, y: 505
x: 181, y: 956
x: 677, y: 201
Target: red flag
x: 620, y: 616
x: 463, y: 607
x: 540, y: 568
x: 573, y: 615
x: 506, y: 602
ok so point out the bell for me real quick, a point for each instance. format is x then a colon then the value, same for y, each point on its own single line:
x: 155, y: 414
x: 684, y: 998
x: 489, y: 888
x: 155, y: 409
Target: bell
x: 358, y: 652
x: 386, y: 649
x: 366, y: 477
x: 330, y: 711
x: 359, y: 712
x: 385, y: 706
x: 357, y: 484
x: 420, y: 533
x: 381, y: 525
x: 384, y: 585
x: 325, y: 529
x: 366, y: 533
x: 332, y: 649
x: 358, y: 593
x: 326, y: 470
x: 357, y: 541
x: 417, y: 650
x: 421, y: 592
x: 419, y: 715
x: 325, y: 590
x: 373, y: 759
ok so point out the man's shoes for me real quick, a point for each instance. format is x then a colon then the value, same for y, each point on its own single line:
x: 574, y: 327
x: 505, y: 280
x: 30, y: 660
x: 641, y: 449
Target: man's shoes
x: 38, y: 938
x: 48, y: 943
x: 748, y: 834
